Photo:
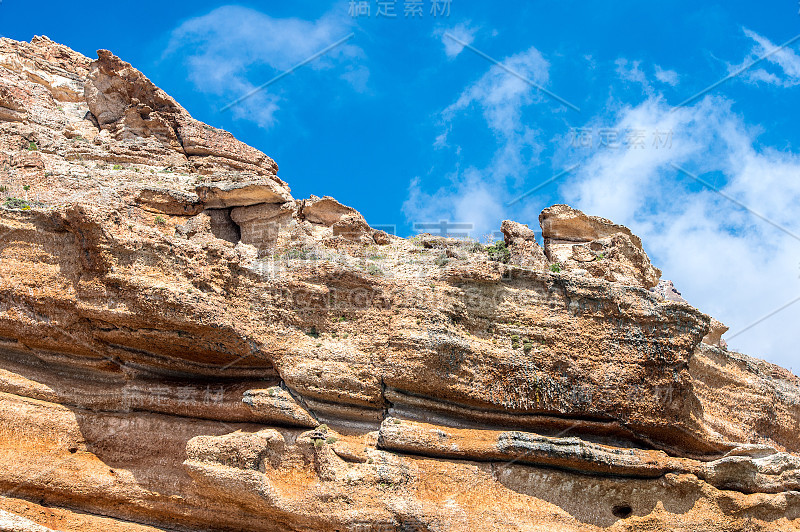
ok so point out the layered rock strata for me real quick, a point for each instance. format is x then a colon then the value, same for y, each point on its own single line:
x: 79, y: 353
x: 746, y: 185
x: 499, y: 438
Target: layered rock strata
x: 184, y: 346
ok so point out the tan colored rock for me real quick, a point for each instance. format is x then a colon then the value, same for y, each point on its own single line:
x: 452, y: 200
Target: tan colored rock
x: 563, y: 223
x: 279, y: 405
x: 171, y: 202
x: 667, y: 290
x: 525, y: 251
x: 261, y: 224
x: 199, y: 224
x: 223, y: 194
x: 714, y: 336
x: 325, y: 211
x: 604, y: 249
x: 353, y: 227
x: 381, y: 238
x: 14, y: 523
x: 129, y: 105
x: 160, y: 371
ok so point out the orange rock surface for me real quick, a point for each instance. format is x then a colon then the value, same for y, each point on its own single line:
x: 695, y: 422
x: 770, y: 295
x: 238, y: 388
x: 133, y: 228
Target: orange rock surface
x: 185, y: 346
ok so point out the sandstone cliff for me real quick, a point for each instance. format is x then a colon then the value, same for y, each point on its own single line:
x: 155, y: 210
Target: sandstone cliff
x: 185, y: 346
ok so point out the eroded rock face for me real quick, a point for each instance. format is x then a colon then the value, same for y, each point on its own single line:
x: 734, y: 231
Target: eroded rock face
x: 525, y: 251
x: 668, y: 291
x: 183, y: 345
x: 605, y: 249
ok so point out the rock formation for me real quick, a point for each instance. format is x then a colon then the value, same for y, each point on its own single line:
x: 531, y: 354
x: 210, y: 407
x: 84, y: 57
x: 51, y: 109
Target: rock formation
x: 576, y: 241
x: 185, y: 346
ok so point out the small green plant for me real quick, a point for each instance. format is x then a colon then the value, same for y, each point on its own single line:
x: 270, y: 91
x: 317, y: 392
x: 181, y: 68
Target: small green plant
x: 373, y: 269
x: 555, y: 268
x: 441, y: 261
x: 3, y: 189
x: 396, y: 421
x: 318, y: 444
x: 476, y: 247
x: 159, y: 220
x: 340, y: 319
x: 296, y: 254
x: 313, y: 333
x: 527, y: 345
x: 117, y: 167
x: 322, y: 428
x: 319, y: 344
x: 514, y: 341
x: 32, y: 146
x: 16, y: 203
x: 601, y: 256
x: 331, y: 440
x: 26, y: 188
x: 499, y: 252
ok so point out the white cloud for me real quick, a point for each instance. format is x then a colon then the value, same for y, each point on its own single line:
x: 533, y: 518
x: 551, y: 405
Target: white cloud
x: 476, y: 195
x: 463, y: 31
x: 786, y: 59
x: 470, y: 198
x: 670, y: 77
x: 726, y: 261
x: 501, y: 96
x: 630, y: 71
x: 222, y: 47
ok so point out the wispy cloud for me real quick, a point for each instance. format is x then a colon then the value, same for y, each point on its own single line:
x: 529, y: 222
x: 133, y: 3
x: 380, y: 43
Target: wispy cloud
x: 670, y: 77
x: 788, y: 62
x: 233, y: 49
x: 476, y: 195
x: 462, y: 31
x: 630, y: 71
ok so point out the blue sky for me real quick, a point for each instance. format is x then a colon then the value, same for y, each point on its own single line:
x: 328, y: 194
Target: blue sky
x: 406, y: 125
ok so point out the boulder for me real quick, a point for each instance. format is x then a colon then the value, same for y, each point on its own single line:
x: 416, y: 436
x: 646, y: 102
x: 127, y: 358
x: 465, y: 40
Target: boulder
x: 381, y: 238
x: 714, y: 336
x: 353, y: 227
x: 525, y: 251
x: 325, y: 211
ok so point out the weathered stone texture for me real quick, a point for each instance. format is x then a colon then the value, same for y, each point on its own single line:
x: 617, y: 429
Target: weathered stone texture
x: 185, y: 346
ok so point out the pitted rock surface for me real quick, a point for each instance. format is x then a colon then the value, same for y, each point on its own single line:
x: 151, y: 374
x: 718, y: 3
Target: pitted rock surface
x: 185, y: 346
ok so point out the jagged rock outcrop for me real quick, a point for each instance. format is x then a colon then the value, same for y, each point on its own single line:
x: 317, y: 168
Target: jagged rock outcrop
x: 184, y: 346
x: 667, y: 290
x: 525, y: 251
x: 602, y: 248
